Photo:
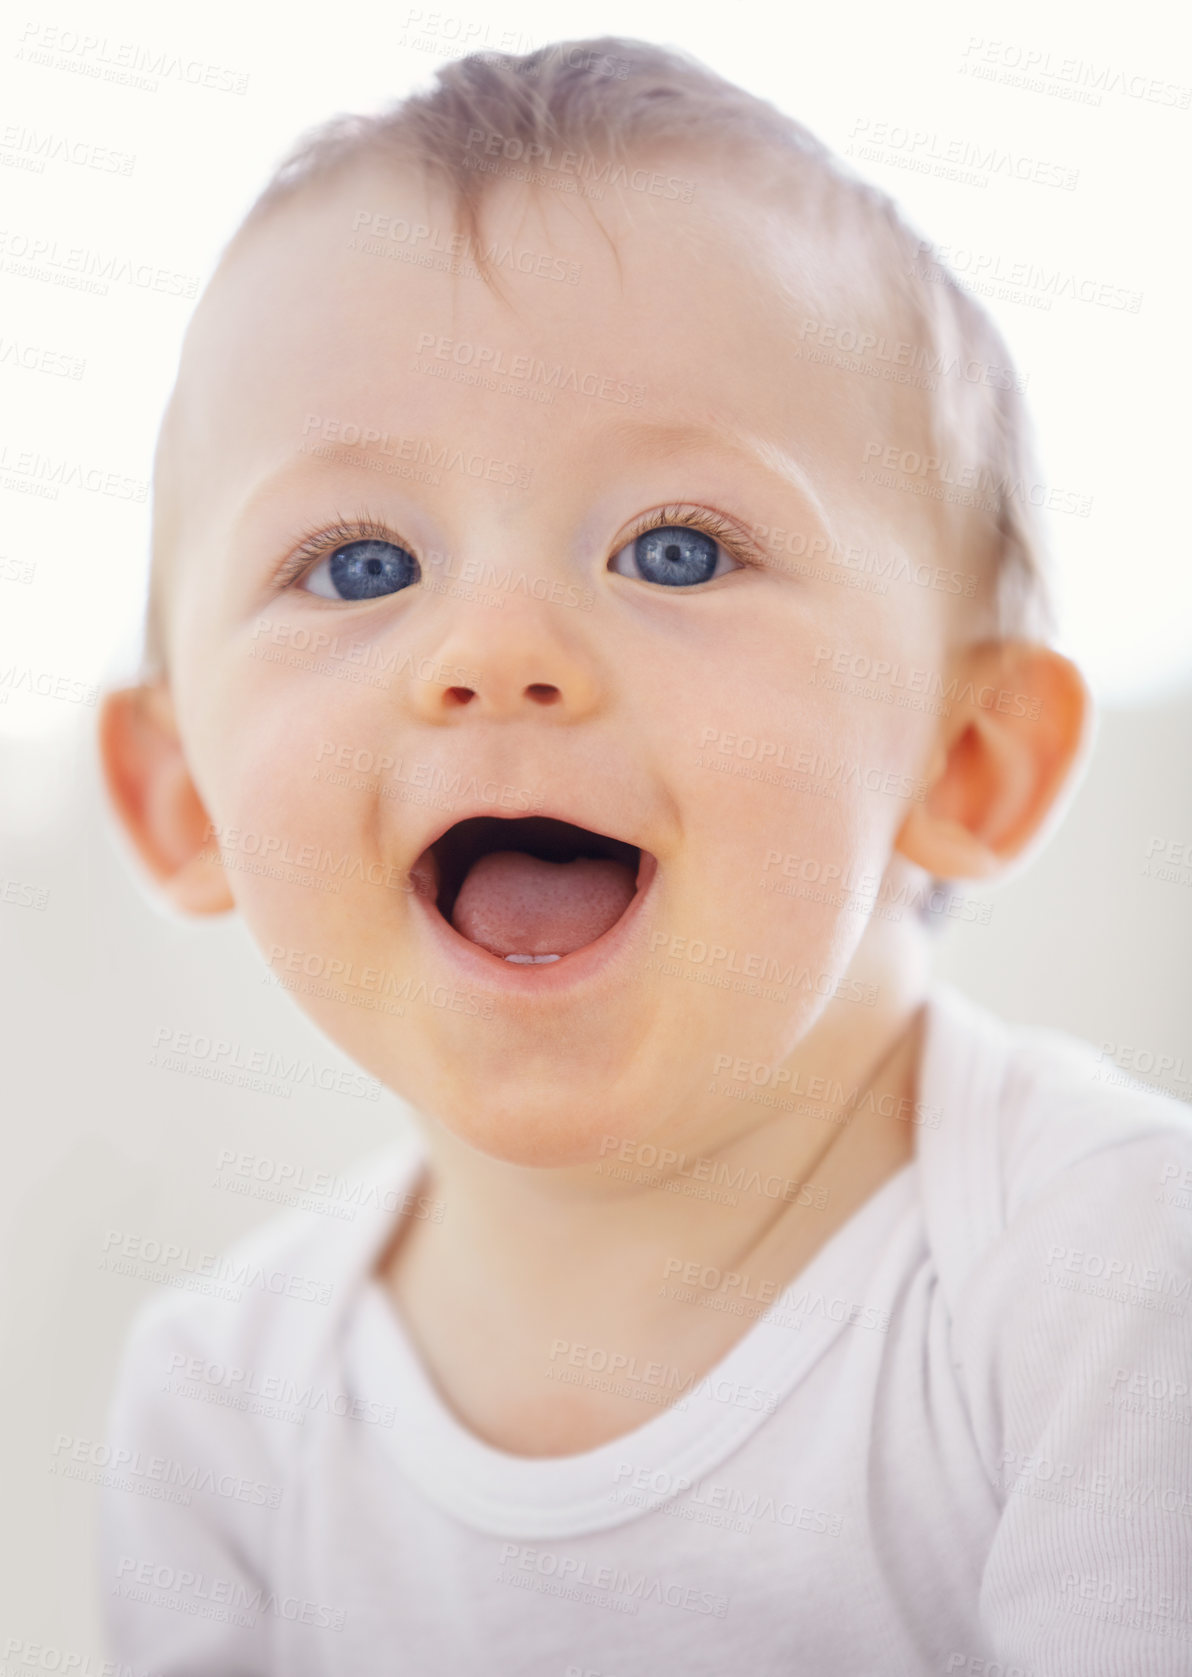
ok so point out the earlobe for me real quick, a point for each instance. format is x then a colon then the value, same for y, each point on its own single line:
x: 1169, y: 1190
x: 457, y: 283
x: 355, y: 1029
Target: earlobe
x: 151, y: 789
x: 1003, y: 763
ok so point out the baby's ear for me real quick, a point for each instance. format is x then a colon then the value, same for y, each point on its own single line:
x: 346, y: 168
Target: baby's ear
x: 150, y: 786
x: 1018, y: 725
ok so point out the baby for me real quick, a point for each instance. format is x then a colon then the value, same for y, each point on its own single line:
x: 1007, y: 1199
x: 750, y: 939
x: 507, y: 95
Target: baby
x: 596, y: 616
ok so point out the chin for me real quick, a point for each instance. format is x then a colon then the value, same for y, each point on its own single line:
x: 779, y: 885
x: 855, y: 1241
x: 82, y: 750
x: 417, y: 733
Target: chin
x: 547, y: 1126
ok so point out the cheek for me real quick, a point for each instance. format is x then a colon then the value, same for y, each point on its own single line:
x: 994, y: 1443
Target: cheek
x: 289, y: 764
x: 772, y: 750
x: 793, y: 792
x: 785, y: 857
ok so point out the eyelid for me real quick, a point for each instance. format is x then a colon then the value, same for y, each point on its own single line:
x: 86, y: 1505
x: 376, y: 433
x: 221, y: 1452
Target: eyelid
x: 726, y: 531
x: 314, y: 545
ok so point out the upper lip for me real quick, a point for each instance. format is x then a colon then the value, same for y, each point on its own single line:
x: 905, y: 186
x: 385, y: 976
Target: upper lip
x: 468, y: 812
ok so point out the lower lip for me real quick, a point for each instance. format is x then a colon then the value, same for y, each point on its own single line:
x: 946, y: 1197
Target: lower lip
x: 547, y: 978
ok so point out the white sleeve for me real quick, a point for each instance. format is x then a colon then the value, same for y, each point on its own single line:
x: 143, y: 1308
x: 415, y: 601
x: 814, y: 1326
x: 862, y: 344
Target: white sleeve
x: 186, y: 1507
x: 1086, y: 1312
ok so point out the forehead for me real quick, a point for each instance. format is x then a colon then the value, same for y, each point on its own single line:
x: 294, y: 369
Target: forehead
x: 359, y: 303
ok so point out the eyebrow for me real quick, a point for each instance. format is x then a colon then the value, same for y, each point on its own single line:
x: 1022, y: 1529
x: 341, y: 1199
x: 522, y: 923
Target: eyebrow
x: 659, y: 437
x: 297, y: 470
x: 745, y: 446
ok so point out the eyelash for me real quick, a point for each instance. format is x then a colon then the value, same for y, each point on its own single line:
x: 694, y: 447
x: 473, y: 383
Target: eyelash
x: 317, y: 544
x: 731, y: 538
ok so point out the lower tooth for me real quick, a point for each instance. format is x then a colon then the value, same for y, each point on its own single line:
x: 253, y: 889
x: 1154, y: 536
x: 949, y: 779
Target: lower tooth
x: 524, y: 958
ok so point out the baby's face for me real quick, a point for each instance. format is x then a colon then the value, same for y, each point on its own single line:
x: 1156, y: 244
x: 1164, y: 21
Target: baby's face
x: 481, y: 630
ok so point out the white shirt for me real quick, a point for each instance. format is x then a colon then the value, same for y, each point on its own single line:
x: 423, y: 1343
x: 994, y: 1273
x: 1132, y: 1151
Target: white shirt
x: 960, y: 1441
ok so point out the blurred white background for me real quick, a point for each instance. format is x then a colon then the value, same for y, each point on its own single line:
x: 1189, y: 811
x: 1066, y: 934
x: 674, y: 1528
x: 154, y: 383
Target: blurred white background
x: 1086, y: 939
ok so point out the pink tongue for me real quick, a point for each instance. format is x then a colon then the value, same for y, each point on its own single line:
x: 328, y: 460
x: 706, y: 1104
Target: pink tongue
x: 514, y: 904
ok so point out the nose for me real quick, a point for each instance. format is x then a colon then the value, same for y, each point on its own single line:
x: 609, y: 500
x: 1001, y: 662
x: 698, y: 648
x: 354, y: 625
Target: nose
x: 520, y: 661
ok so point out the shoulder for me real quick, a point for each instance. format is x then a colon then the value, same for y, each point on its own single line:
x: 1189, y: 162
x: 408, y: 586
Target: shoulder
x: 219, y: 1375
x: 1036, y: 1128
x: 1066, y: 1105
x: 234, y: 1351
x: 1068, y: 1246
x: 1096, y: 1165
x: 1060, y: 1215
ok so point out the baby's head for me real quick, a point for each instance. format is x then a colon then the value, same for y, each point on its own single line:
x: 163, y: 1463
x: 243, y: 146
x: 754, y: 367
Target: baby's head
x: 577, y: 462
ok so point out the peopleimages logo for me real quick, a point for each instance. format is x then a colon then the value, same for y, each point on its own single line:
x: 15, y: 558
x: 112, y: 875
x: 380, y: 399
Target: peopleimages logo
x: 634, y: 1587
x: 417, y: 450
x: 229, y: 1055
x: 852, y: 339
x: 164, y: 1478
x: 408, y: 236
x: 769, y: 968
x: 172, y: 1586
x: 881, y: 673
x: 601, y: 173
x: 276, y: 1396
x: 80, y: 268
x: 168, y: 1262
x: 932, y: 474
x: 336, y: 976
x: 709, y: 1494
x: 490, y: 361
x: 771, y: 759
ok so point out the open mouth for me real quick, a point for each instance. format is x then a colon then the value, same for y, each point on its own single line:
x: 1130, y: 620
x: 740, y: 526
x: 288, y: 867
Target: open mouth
x: 531, y: 888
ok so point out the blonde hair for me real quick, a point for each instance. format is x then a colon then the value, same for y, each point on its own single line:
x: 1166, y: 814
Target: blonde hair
x: 609, y: 100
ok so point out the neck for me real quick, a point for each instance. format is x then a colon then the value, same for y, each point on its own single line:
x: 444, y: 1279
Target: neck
x: 748, y: 1183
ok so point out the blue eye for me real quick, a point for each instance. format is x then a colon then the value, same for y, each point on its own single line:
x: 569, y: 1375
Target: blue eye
x: 675, y: 555
x: 363, y: 571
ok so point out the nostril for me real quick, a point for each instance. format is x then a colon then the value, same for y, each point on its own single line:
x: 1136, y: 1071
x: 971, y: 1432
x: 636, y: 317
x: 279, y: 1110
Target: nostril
x: 458, y: 696
x: 543, y: 693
